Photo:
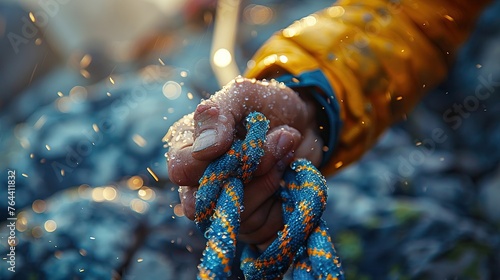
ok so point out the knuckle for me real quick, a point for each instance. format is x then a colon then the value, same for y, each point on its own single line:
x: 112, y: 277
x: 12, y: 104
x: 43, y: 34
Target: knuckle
x: 188, y: 211
x: 187, y: 201
x: 175, y: 175
x: 257, y: 220
x: 271, y: 183
x: 254, y: 222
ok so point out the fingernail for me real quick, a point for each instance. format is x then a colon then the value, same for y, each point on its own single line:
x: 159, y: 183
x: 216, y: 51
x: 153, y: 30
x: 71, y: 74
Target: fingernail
x: 285, y: 161
x: 284, y: 145
x: 207, y: 138
x: 205, y: 113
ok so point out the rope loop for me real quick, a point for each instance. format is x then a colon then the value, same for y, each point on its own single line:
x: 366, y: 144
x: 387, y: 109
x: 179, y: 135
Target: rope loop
x: 304, y: 242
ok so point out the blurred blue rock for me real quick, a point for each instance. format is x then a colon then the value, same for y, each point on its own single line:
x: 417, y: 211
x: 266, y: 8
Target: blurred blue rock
x: 416, y: 206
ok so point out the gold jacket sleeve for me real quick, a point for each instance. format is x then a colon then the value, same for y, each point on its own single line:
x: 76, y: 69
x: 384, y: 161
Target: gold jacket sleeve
x: 379, y: 57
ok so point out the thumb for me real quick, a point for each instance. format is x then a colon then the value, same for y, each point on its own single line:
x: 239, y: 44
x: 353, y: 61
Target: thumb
x: 213, y: 131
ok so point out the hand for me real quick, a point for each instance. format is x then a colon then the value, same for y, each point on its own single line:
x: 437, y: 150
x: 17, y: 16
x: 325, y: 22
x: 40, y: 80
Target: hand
x: 200, y: 137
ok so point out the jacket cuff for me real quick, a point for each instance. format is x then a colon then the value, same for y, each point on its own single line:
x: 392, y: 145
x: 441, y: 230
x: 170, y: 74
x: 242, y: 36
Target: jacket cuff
x: 328, y: 116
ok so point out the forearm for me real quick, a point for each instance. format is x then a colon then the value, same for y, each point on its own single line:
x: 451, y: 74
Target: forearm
x: 377, y: 58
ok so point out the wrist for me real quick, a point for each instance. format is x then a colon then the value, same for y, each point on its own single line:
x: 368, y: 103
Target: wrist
x: 315, y: 89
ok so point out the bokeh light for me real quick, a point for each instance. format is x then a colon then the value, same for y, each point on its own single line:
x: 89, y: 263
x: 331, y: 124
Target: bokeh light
x: 258, y: 14
x: 222, y: 58
x: 135, y: 183
x: 50, y: 226
x: 39, y: 206
x: 172, y: 90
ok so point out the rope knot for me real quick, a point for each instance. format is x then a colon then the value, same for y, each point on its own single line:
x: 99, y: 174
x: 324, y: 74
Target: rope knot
x: 304, y: 239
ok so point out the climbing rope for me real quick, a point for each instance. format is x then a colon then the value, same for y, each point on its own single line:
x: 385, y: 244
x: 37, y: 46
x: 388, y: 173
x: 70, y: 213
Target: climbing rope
x: 304, y: 241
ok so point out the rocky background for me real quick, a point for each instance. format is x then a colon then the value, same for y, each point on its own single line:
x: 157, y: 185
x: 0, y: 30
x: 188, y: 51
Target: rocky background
x: 82, y: 116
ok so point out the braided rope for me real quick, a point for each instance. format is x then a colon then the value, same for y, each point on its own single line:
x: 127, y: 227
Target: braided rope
x: 304, y: 241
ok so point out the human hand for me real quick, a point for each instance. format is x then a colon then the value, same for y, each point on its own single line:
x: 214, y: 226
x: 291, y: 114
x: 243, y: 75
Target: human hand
x: 200, y: 137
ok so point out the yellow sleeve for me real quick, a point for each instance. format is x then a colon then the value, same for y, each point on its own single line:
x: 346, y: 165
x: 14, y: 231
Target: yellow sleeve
x: 379, y: 57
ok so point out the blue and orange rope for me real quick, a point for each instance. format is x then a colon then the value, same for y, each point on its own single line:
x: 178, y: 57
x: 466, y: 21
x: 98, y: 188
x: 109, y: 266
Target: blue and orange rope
x: 304, y: 241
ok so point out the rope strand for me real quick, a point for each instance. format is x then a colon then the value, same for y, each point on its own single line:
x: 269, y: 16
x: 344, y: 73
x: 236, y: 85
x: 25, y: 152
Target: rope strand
x: 303, y: 243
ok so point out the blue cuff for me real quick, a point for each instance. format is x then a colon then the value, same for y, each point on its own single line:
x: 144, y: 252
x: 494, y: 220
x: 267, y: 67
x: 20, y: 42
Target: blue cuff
x: 323, y: 93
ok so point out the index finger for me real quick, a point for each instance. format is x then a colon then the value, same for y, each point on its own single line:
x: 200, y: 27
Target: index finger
x: 216, y: 119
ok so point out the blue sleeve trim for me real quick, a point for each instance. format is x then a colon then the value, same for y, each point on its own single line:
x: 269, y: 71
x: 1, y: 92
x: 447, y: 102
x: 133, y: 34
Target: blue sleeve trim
x: 323, y: 93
